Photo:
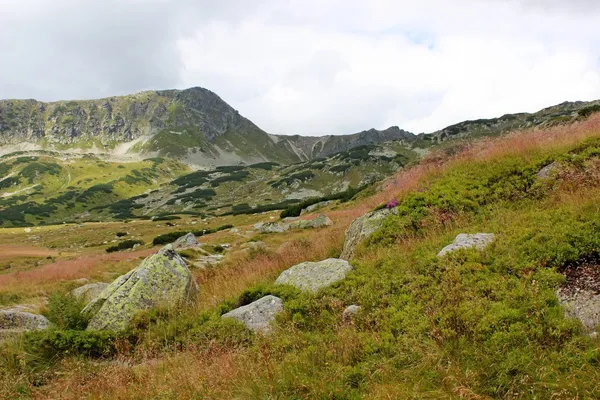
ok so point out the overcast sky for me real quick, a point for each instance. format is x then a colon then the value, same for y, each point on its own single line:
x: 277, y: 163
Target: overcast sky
x: 311, y: 67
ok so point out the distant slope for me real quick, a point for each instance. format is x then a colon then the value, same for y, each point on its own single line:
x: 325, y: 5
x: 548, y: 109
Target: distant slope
x: 563, y: 113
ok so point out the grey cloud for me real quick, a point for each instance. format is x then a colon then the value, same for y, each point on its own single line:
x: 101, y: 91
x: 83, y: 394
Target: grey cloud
x: 76, y: 49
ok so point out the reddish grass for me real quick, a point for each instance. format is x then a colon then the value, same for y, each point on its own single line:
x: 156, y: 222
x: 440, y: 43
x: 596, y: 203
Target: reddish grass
x: 25, y: 251
x: 67, y: 269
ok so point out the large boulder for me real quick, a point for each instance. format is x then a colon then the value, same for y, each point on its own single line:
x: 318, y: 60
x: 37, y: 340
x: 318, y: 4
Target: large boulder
x: 185, y: 242
x: 466, y: 241
x: 15, y: 320
x: 258, y: 315
x: 312, y: 276
x: 90, y: 291
x: 163, y: 279
x: 363, y: 227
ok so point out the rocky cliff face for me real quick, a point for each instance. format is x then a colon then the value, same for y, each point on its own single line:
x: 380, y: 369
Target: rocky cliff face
x: 117, y: 119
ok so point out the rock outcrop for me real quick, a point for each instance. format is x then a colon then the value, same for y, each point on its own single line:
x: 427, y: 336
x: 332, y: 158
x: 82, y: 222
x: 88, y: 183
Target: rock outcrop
x: 363, y: 227
x: 279, y: 227
x: 271, y: 227
x: 258, y: 315
x: 90, y: 291
x: 163, y: 279
x: 466, y: 241
x: 313, y: 276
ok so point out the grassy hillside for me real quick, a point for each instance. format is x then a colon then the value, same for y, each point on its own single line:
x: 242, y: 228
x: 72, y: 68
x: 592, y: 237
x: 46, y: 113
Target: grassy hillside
x: 51, y: 188
x: 470, y: 325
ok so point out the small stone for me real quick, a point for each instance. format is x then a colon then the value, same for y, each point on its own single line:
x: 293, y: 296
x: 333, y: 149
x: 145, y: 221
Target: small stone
x: 547, y: 171
x: 466, y: 241
x: 351, y: 311
x: 257, y: 316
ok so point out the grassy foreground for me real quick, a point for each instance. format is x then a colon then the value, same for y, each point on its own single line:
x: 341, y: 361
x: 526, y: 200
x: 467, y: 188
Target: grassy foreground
x: 472, y: 325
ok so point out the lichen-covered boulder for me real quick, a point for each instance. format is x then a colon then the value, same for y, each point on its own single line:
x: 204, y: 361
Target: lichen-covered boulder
x: 258, y: 315
x: 363, y: 227
x: 186, y: 242
x: 312, y: 276
x: 163, y: 279
x: 15, y: 320
x: 90, y: 291
x: 466, y: 241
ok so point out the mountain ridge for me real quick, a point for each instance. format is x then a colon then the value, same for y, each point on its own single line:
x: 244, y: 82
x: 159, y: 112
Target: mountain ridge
x: 199, y: 128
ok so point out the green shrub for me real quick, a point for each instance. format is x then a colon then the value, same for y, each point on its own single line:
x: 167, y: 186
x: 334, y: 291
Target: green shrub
x: 587, y: 111
x: 64, y: 311
x: 345, y: 196
x: 53, y: 343
x: 124, y: 245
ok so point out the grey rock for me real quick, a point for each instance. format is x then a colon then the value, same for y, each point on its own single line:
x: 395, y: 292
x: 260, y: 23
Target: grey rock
x: 351, y: 311
x: 547, y: 171
x: 363, y: 227
x: 210, y: 261
x: 258, y: 315
x: 185, y: 242
x: 321, y: 221
x: 316, y: 207
x: 16, y: 320
x: 90, y: 291
x: 312, y: 276
x: 161, y: 279
x: 271, y: 227
x: 582, y: 304
x: 465, y: 241
x: 255, y: 246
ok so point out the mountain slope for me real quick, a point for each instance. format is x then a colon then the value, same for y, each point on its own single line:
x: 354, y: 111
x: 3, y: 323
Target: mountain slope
x: 193, y: 125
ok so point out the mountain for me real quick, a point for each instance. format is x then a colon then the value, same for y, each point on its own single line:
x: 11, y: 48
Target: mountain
x: 198, y: 128
x: 563, y: 113
x: 193, y: 125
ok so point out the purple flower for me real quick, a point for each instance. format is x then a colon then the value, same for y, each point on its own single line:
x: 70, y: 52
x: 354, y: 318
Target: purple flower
x: 393, y: 203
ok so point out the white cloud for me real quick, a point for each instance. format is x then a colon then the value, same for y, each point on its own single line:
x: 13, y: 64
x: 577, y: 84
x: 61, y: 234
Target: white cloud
x: 313, y: 67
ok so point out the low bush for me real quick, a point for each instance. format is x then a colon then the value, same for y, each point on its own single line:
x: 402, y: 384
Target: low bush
x: 124, y: 245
